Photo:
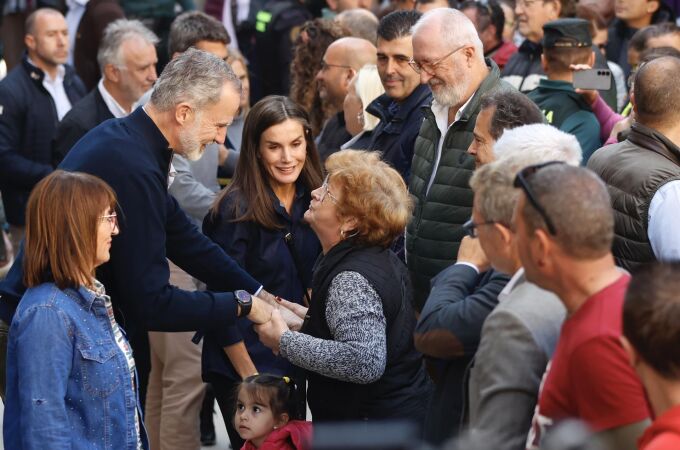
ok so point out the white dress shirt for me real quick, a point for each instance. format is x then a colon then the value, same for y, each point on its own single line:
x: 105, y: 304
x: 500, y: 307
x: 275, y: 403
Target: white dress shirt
x: 664, y: 222
x: 441, y: 116
x: 76, y: 9
x: 55, y: 87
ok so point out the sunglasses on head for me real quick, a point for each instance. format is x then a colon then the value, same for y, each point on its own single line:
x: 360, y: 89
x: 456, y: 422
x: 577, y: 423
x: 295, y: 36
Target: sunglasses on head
x: 522, y: 181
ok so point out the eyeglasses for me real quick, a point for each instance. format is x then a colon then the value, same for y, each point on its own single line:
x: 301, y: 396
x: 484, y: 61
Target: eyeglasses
x: 470, y: 227
x: 325, y: 192
x: 430, y: 67
x: 111, y: 218
x: 521, y: 181
x: 325, y: 66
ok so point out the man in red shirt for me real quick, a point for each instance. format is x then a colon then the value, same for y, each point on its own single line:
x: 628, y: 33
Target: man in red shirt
x: 565, y: 226
x: 651, y: 330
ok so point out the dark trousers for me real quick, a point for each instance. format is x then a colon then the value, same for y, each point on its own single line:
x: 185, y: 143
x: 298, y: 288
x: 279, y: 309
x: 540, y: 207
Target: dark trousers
x: 225, y: 391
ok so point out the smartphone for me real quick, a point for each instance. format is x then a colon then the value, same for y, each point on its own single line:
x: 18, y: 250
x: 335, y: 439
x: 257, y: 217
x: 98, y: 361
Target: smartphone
x: 593, y: 79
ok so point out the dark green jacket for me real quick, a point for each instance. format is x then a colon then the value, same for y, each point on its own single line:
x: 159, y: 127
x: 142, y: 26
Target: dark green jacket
x: 434, y: 232
x: 568, y: 111
x: 634, y: 170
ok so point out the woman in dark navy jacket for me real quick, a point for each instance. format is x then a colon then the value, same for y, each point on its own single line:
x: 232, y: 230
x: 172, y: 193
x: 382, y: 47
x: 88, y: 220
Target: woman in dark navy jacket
x: 258, y: 221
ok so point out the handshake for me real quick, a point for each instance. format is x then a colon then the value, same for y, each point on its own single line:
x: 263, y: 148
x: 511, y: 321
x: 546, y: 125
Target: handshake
x: 273, y: 316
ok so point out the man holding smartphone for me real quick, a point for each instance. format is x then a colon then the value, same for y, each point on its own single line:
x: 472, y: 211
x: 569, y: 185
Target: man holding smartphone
x: 567, y: 42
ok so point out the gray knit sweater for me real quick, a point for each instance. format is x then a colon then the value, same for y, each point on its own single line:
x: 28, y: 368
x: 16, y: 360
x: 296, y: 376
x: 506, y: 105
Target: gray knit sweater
x: 358, y: 351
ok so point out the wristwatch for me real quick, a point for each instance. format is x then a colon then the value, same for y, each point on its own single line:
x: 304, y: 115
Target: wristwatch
x: 245, y: 301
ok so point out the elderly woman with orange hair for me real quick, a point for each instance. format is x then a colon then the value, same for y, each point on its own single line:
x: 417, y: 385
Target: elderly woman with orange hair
x: 356, y: 343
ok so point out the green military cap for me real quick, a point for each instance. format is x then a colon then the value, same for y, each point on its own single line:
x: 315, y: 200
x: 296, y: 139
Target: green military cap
x: 567, y: 33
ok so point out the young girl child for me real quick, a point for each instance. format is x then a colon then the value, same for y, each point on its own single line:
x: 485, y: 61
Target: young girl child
x: 266, y: 415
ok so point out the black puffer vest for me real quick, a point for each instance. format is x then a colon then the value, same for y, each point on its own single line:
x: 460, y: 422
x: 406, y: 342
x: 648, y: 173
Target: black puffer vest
x: 633, y: 171
x: 402, y: 390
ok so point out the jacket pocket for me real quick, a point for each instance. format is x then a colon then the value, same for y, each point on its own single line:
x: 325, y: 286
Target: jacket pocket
x: 99, y: 369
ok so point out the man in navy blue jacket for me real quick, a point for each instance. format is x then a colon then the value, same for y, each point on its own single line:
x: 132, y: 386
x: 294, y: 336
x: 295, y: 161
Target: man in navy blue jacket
x: 194, y: 100
x: 34, y: 97
x: 399, y: 108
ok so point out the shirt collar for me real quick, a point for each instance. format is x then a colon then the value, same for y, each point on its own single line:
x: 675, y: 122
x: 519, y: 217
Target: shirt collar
x: 111, y: 103
x: 441, y: 112
x: 505, y: 293
x: 61, y: 73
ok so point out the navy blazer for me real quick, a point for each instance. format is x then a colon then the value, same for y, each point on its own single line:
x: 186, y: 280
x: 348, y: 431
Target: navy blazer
x: 28, y: 122
x: 89, y: 112
x: 396, y: 133
x: 133, y: 157
x: 264, y: 254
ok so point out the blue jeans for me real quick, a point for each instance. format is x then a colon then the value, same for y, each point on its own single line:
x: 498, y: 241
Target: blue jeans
x: 4, y: 328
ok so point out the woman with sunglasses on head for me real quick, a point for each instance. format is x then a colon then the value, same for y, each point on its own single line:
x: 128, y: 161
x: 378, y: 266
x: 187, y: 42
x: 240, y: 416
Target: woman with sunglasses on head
x: 356, y: 343
x: 71, y: 378
x: 258, y: 221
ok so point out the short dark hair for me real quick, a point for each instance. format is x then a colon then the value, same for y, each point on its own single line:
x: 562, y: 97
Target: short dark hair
x: 651, y: 316
x: 657, y: 93
x: 487, y: 14
x: 397, y: 24
x: 640, y: 40
x: 192, y: 27
x: 577, y: 202
x: 513, y: 109
x: 559, y: 59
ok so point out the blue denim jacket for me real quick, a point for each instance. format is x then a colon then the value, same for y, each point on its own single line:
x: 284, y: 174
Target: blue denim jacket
x: 68, y: 383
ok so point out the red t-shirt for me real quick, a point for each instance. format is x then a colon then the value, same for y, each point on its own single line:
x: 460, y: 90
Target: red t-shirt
x: 589, y: 377
x: 663, y: 433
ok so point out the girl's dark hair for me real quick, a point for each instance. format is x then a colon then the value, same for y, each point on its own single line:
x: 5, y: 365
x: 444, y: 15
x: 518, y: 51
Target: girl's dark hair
x: 251, y: 180
x: 279, y: 393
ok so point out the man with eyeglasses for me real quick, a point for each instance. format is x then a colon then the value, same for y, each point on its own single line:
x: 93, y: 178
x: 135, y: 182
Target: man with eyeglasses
x: 341, y: 62
x: 465, y: 293
x: 564, y: 229
x: 400, y: 107
x: 449, y: 57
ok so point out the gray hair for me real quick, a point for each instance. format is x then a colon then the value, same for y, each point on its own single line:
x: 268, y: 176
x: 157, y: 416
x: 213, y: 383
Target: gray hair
x: 115, y: 34
x: 537, y: 143
x: 454, y: 28
x: 579, y: 206
x: 493, y: 182
x: 195, y: 77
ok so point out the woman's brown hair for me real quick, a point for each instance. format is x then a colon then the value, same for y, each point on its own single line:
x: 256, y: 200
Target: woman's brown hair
x: 251, y: 180
x: 62, y: 219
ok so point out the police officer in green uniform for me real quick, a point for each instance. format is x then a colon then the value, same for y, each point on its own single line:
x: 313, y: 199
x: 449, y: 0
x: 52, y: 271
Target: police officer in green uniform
x: 566, y: 42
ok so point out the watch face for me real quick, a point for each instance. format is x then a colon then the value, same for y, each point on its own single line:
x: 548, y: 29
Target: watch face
x: 242, y: 296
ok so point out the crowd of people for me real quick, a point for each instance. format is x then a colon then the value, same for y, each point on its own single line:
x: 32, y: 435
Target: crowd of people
x: 460, y: 215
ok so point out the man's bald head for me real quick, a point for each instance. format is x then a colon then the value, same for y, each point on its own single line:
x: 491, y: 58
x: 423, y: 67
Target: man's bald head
x: 38, y: 15
x: 342, y: 60
x: 657, y: 93
x: 354, y: 52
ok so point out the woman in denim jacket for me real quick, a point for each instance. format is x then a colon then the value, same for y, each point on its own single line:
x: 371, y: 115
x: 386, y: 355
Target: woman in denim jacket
x: 71, y: 380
